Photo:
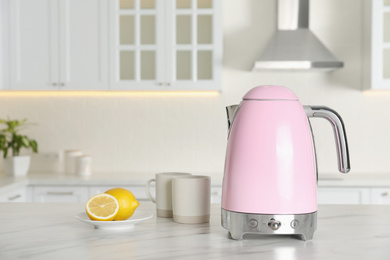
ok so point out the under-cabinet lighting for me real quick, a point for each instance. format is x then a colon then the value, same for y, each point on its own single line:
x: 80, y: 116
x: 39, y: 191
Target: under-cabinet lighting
x: 109, y: 93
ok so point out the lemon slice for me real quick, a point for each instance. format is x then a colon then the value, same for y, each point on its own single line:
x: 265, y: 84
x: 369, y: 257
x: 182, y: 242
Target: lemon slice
x: 102, y: 207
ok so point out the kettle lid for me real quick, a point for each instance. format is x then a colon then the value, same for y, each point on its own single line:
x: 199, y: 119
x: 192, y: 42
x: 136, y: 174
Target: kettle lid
x: 270, y: 92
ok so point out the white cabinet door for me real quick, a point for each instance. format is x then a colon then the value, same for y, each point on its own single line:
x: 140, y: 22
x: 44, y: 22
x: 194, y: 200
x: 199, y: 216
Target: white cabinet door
x: 58, y: 44
x: 343, y: 195
x: 380, y: 195
x: 17, y: 195
x: 83, y: 45
x: 377, y: 44
x: 33, y: 44
x: 60, y: 194
x: 138, y: 191
x: 4, y: 44
x: 216, y: 194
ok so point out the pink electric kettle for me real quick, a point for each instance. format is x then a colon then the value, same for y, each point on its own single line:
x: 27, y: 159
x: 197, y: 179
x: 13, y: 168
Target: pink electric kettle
x: 270, y: 177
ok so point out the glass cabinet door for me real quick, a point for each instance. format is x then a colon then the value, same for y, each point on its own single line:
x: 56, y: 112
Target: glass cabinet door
x: 166, y: 44
x: 195, y: 44
x: 137, y: 48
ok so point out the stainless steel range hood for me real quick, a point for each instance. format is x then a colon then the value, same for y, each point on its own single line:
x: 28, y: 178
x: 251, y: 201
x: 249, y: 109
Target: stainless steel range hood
x: 294, y: 46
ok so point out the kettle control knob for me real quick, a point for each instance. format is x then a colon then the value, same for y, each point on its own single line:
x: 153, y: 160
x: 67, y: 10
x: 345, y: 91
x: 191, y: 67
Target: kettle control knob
x: 274, y: 224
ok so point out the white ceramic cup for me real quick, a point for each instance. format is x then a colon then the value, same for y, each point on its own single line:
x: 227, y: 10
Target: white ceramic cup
x: 70, y: 160
x: 83, y: 165
x: 191, y: 199
x: 163, y: 198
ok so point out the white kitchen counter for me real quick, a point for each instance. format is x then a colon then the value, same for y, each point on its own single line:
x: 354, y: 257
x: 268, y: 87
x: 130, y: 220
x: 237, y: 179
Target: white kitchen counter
x: 50, y: 231
x: 66, y: 179
x: 138, y: 179
x: 8, y: 183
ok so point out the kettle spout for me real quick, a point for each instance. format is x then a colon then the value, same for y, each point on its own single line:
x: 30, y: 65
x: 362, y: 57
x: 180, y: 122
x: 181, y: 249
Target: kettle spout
x: 231, y: 112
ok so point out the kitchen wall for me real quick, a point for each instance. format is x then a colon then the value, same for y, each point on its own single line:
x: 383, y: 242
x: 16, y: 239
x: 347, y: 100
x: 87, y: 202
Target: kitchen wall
x: 150, y: 133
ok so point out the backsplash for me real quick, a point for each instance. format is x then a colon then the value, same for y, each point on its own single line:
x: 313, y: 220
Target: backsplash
x: 140, y: 133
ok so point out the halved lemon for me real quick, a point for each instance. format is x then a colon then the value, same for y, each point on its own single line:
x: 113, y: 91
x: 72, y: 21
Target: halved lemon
x: 102, y: 207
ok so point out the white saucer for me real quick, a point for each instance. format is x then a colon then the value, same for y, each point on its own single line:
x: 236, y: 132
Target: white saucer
x: 122, y: 224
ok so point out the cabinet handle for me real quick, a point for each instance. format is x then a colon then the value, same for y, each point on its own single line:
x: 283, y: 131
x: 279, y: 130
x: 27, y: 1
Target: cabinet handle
x: 385, y: 194
x: 62, y: 84
x: 54, y: 84
x: 163, y: 83
x: 60, y: 193
x: 14, y: 197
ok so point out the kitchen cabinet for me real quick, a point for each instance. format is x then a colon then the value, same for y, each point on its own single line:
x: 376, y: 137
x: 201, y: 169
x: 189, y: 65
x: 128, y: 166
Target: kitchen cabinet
x: 46, y: 187
x: 325, y: 195
x: 376, y: 58
x: 59, y: 193
x: 112, y: 45
x: 380, y: 196
x: 138, y: 191
x: 216, y: 194
x: 3, y: 36
x: 165, y: 45
x: 16, y: 195
x: 343, y: 195
x: 328, y: 195
x: 82, y: 193
x: 58, y: 44
x: 79, y: 193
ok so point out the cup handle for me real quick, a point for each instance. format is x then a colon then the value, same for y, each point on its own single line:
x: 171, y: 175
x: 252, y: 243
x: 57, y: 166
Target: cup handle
x: 147, y: 189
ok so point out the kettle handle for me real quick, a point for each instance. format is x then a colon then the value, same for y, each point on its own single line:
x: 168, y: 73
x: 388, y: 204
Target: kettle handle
x: 339, y: 131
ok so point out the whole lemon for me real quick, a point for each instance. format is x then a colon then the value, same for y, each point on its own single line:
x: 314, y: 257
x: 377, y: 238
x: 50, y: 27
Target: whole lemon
x: 127, y: 203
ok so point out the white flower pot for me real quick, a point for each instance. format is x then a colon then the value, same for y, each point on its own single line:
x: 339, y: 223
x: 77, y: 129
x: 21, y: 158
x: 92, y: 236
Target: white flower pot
x: 17, y: 165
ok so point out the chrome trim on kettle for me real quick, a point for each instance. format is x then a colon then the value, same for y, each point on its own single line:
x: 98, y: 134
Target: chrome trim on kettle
x: 238, y: 224
x: 231, y: 113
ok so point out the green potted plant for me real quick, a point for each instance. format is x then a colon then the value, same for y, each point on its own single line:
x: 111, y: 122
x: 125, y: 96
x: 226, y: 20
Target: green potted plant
x: 11, y: 143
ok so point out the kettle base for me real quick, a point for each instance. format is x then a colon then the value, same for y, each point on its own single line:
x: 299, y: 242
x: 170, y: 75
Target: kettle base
x: 238, y: 224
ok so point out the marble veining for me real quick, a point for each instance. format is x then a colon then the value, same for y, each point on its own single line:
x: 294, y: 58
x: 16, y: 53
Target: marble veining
x: 50, y: 231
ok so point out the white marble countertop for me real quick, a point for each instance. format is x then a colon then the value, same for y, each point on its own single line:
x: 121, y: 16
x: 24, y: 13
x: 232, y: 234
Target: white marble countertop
x: 8, y: 183
x: 50, y: 231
